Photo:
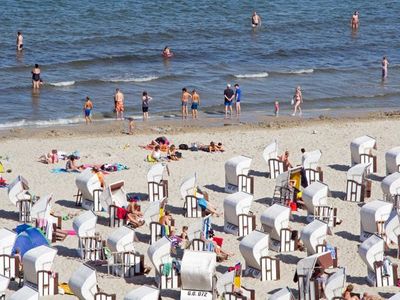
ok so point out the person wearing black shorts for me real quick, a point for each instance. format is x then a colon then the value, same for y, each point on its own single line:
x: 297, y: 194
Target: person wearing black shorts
x: 145, y: 105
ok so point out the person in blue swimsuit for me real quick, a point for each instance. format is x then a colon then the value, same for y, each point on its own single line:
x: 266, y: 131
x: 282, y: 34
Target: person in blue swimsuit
x: 238, y: 96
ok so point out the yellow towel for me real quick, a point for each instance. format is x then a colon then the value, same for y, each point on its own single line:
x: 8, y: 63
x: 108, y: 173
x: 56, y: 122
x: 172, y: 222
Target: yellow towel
x: 66, y: 288
x: 1, y: 168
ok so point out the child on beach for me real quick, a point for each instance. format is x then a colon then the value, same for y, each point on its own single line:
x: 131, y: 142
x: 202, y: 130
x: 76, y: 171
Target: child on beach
x: 195, y: 103
x: 145, y: 105
x: 276, y: 110
x: 87, y: 108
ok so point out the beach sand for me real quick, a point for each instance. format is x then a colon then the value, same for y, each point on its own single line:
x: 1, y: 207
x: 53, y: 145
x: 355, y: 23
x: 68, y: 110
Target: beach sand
x: 105, y: 144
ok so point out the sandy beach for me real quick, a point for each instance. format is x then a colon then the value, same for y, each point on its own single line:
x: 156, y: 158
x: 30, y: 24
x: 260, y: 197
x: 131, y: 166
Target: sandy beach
x: 104, y: 143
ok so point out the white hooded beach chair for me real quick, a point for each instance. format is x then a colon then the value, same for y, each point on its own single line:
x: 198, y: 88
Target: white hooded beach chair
x: 335, y: 284
x: 7, y: 261
x: 391, y: 189
x: 160, y: 256
x: 392, y: 158
x: 371, y: 252
x: 238, y: 219
x: 83, y: 282
x: 287, y: 185
x: 25, y: 293
x: 198, y: 275
x: 40, y: 210
x: 275, y: 222
x: 124, y: 260
x: 4, y: 282
x: 236, y: 175
x: 144, y: 292
x: 157, y: 184
x: 373, y: 216
x: 38, y: 263
x: 270, y: 155
x: 314, y: 234
x: 361, y: 152
x: 254, y: 249
x: 90, y: 244
x: 89, y: 190
x: 112, y: 198
x: 358, y: 186
x: 392, y: 230
x: 18, y: 194
x: 188, y: 193
x: 310, y: 164
x: 282, y: 294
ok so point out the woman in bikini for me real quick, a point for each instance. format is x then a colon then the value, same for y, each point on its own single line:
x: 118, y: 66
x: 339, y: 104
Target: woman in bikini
x: 298, y: 98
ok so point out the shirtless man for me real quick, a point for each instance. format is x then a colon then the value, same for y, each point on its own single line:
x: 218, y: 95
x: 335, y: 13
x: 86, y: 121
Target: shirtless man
x: 20, y: 41
x: 255, y: 20
x: 354, y: 20
x: 119, y: 104
x: 195, y: 103
x: 385, y: 64
x: 185, y: 99
x: 229, y: 95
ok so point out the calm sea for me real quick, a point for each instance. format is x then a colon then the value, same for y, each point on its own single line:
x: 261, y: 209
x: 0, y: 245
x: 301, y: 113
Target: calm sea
x: 92, y: 47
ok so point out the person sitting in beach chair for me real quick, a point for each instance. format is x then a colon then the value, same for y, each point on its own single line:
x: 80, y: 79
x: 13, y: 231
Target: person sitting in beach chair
x: 347, y: 294
x: 285, y: 159
x: 206, y: 205
x: 213, y: 246
x: 134, y: 215
x: 49, y: 158
x: 70, y: 165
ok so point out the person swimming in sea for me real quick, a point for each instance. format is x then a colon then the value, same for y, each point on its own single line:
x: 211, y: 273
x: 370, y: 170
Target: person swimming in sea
x: 255, y: 20
x: 167, y: 52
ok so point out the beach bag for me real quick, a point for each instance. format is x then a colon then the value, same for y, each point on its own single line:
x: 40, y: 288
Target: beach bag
x: 194, y: 147
x: 178, y: 154
x: 183, y: 147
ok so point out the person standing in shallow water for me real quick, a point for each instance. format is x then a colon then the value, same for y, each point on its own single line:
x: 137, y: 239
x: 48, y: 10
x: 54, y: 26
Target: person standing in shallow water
x: 355, y: 21
x: 20, y: 41
x: 87, y: 108
x: 195, y: 103
x: 385, y: 64
x: 229, y: 94
x: 238, y: 97
x: 119, y: 104
x: 185, y: 99
x: 255, y: 20
x: 298, y: 99
x: 36, y: 77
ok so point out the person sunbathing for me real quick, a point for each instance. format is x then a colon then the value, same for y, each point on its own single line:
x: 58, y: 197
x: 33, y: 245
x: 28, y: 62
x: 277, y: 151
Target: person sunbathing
x: 70, y: 166
x: 49, y: 158
x: 285, y: 159
x: 172, y: 155
x: 134, y: 215
x: 207, y: 206
x: 347, y: 293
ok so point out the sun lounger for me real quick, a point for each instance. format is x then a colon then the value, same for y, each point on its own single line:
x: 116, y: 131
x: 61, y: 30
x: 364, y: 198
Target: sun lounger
x: 314, y: 234
x: 391, y: 189
x: 238, y: 219
x: 310, y: 164
x: 282, y: 294
x: 373, y: 216
x: 392, y: 158
x: 112, y: 198
x: 254, y: 249
x: 4, y: 282
x: 236, y: 175
x: 83, y: 282
x: 358, y: 186
x: 124, y: 260
x: 18, y: 194
x: 26, y: 293
x: 160, y: 256
x: 38, y: 271
x: 275, y: 222
x: 89, y: 190
x: 198, y: 275
x: 270, y: 155
x: 144, y: 292
x: 156, y: 182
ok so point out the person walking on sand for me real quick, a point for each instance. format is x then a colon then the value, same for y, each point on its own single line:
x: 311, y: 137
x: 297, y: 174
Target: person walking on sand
x: 119, y: 104
x: 87, y: 108
x: 355, y: 20
x: 385, y: 64
x: 298, y: 99
x: 229, y: 94
x: 255, y: 20
x: 195, y: 103
x: 185, y: 99
x: 36, y: 77
x: 238, y: 97
x: 145, y: 105
x: 20, y: 41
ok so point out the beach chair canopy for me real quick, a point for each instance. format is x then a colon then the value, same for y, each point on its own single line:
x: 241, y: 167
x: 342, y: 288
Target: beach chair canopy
x: 160, y: 253
x: 38, y: 259
x: 271, y: 151
x: 114, y: 194
x: 391, y: 184
x: 188, y: 186
x: 4, y: 282
x: 121, y: 239
x: 28, y: 239
x: 392, y: 227
x: 282, y: 294
x: 156, y: 172
x: 85, y: 224
x: 392, y: 158
x: 254, y: 246
x: 305, y: 267
x: 87, y: 182
x: 395, y: 297
x: 196, y: 228
x: 225, y: 282
x: 314, y: 234
x: 152, y: 211
x: 197, y: 270
x: 373, y: 212
x: 310, y: 159
x: 25, y: 293
x: 372, y: 250
x: 17, y: 190
x: 316, y: 194
x: 83, y: 282
x: 41, y: 208
x: 334, y: 285
x: 358, y: 172
x: 275, y: 218
x: 361, y: 145
x: 236, y: 204
x: 7, y: 241
x: 144, y: 292
x: 238, y: 165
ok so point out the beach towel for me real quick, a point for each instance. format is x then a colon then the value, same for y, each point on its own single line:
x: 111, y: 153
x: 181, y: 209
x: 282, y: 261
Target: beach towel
x: 121, y: 213
x: 167, y: 269
x: 1, y: 167
x: 62, y: 170
x: 3, y: 183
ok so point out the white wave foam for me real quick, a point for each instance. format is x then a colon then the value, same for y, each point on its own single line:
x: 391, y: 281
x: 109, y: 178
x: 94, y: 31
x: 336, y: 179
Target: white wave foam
x: 256, y: 75
x: 62, y: 83
x: 134, y: 79
x: 301, y: 71
x: 40, y: 123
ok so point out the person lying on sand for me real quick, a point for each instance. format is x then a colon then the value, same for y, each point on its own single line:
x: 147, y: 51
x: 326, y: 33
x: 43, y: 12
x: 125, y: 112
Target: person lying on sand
x: 212, y: 147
